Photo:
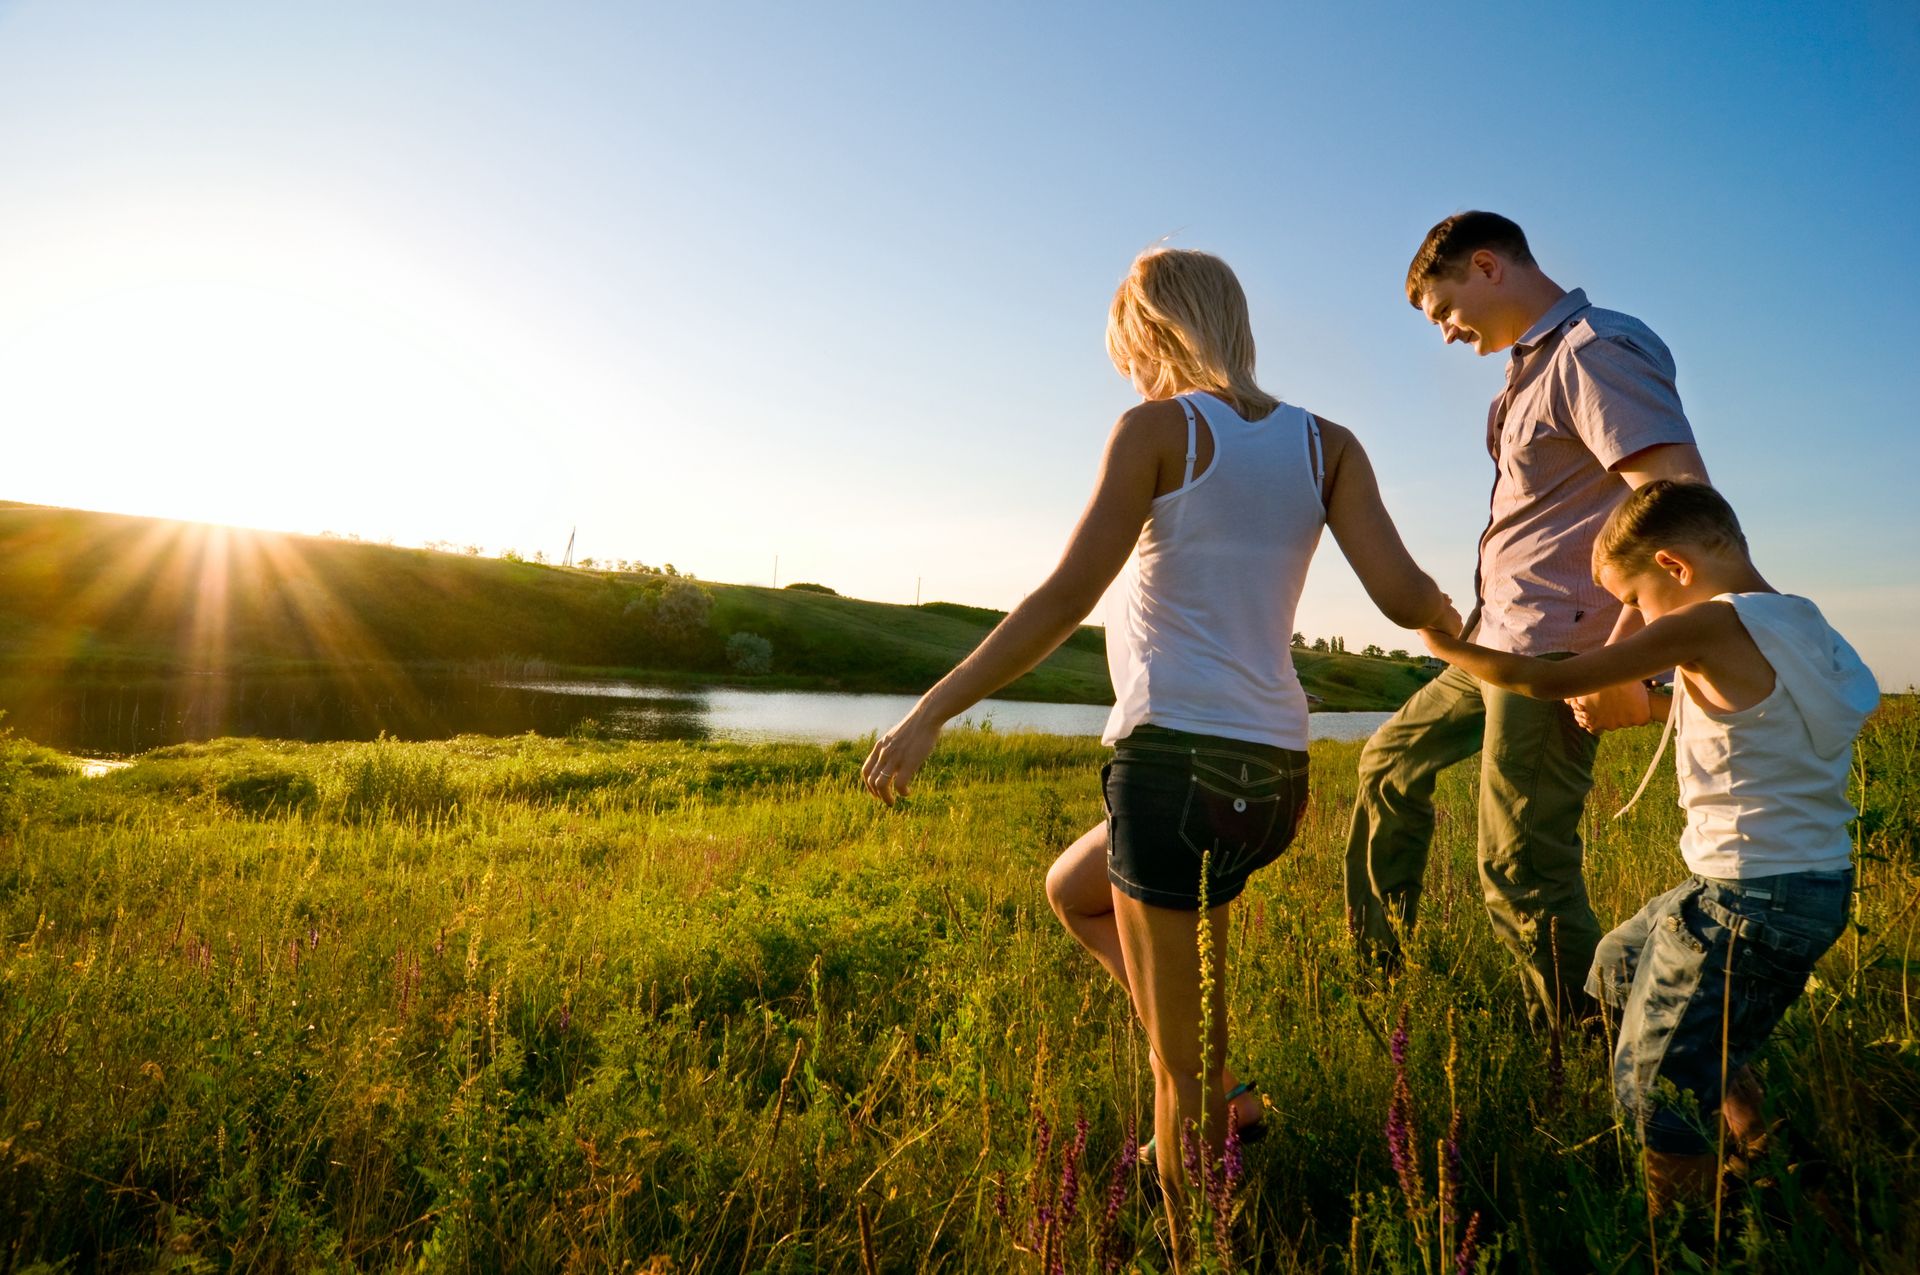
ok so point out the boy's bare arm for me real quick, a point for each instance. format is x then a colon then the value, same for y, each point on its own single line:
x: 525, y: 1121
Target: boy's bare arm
x: 1679, y: 638
x: 1613, y: 707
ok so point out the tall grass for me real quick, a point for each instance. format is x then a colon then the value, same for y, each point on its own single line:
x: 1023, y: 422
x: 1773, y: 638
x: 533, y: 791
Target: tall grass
x: 533, y: 1005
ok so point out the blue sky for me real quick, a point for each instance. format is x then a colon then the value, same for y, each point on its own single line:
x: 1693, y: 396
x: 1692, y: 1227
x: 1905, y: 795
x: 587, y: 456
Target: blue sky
x: 720, y: 282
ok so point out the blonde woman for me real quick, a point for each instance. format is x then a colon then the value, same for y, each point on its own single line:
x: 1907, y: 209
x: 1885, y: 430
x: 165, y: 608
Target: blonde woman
x: 1217, y: 491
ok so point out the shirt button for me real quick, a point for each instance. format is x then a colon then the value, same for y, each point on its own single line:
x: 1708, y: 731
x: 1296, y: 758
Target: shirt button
x: 1239, y: 805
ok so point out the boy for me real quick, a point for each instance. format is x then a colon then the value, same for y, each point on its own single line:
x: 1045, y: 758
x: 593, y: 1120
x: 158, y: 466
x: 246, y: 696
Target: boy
x: 1768, y: 699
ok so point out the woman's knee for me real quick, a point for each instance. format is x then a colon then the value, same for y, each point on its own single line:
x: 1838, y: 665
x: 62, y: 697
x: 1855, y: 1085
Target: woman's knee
x: 1077, y: 880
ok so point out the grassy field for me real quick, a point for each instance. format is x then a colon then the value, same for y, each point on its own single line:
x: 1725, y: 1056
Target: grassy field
x: 569, y: 1005
x: 104, y: 596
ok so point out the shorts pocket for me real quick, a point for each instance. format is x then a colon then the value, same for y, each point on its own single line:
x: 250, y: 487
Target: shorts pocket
x: 1235, y: 811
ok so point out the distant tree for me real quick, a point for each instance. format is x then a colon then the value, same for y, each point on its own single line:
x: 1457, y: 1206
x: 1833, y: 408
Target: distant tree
x: 668, y: 570
x: 749, y: 653
x: 540, y: 556
x: 1371, y: 649
x: 683, y: 609
x: 1300, y: 640
x: 1397, y: 653
x: 511, y: 555
x: 586, y: 564
x: 815, y: 588
x: 1338, y: 645
x: 1320, y: 644
x: 472, y: 551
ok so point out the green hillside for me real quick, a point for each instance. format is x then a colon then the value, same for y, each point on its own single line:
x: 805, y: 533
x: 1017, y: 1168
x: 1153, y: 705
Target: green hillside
x: 84, y: 593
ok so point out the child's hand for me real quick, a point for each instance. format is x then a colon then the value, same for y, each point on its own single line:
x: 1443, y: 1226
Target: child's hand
x: 1441, y: 643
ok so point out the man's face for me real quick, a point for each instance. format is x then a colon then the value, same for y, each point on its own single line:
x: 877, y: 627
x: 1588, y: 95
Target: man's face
x: 1467, y: 309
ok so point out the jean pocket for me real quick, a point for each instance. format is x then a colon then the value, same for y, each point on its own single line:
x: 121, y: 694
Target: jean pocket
x: 1235, y: 811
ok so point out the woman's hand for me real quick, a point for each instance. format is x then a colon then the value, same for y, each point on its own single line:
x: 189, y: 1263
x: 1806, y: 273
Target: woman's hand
x: 897, y: 757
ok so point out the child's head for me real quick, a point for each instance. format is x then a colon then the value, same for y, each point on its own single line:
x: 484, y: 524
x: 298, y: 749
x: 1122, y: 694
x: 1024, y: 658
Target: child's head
x: 1668, y: 544
x: 1179, y: 323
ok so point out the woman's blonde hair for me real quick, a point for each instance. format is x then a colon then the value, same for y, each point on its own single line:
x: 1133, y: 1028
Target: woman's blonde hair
x: 1179, y: 319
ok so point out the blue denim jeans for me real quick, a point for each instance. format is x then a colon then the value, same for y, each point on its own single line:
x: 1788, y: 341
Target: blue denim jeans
x: 1697, y: 980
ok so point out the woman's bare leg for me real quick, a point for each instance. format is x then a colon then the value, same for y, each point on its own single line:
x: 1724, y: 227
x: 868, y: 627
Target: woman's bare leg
x: 1163, y: 967
x: 1082, y: 898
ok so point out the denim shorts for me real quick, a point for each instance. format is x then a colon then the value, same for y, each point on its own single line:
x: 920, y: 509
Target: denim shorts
x: 1174, y: 797
x: 1684, y: 1031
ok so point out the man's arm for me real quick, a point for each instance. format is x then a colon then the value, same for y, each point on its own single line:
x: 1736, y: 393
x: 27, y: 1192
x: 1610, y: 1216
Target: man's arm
x: 1626, y: 705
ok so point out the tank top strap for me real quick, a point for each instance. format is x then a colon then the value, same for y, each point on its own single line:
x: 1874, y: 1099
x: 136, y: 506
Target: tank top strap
x: 1316, y: 457
x: 1193, y: 440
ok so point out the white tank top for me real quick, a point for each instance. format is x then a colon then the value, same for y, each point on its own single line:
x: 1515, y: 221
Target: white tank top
x: 1200, y: 624
x: 1765, y: 788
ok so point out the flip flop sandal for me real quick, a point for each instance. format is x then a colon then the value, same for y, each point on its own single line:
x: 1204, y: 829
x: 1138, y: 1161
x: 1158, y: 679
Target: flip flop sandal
x: 1251, y: 1132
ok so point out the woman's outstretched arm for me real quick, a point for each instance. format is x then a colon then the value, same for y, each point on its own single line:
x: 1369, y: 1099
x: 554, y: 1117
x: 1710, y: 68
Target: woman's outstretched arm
x: 1360, y: 524
x: 1097, y: 549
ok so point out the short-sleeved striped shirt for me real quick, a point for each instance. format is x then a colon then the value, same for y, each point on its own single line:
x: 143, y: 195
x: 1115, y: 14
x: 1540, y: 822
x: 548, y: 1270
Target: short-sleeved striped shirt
x: 1586, y: 388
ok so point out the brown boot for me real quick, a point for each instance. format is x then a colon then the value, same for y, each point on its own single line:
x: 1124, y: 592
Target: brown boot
x: 1678, y: 1179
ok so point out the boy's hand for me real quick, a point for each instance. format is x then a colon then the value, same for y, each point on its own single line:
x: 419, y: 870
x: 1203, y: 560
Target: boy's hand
x: 1441, y: 643
x: 1614, y: 708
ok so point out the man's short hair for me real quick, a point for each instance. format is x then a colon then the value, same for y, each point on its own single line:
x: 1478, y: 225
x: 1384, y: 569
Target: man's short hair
x: 1444, y: 252
x: 1660, y: 515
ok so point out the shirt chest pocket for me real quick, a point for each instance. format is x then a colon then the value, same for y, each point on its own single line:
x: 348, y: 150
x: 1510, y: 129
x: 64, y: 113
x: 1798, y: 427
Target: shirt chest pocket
x: 1534, y: 456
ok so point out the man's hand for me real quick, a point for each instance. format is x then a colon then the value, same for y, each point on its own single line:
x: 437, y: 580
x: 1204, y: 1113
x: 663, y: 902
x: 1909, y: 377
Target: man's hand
x: 1613, y: 708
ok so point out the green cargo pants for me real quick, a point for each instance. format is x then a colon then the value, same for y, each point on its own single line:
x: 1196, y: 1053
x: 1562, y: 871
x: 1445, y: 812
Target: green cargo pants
x: 1536, y: 768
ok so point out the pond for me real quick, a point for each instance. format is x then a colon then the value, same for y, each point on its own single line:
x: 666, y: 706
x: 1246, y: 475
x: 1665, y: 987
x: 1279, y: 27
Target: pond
x: 105, y: 719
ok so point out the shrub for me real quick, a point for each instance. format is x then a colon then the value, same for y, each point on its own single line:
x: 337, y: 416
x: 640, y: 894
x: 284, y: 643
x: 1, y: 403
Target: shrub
x: 260, y: 790
x: 815, y: 588
x: 388, y: 778
x: 749, y: 653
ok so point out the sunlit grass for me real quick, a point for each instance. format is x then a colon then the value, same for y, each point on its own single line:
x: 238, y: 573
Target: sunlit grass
x: 532, y: 1004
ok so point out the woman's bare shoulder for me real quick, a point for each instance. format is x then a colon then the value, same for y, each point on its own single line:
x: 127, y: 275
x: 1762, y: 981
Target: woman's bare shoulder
x: 1156, y: 423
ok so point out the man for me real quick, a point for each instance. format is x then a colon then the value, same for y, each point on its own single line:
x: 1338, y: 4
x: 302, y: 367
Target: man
x: 1589, y: 411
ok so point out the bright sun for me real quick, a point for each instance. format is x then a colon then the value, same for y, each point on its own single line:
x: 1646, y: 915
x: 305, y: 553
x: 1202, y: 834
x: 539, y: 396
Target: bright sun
x: 279, y: 377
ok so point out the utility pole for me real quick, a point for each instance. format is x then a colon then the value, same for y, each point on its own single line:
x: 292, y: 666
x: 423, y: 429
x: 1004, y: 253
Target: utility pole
x: 916, y: 591
x: 776, y: 570
x: 568, y: 560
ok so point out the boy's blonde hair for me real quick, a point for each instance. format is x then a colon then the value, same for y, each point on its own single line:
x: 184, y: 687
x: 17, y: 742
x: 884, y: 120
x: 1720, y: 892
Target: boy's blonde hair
x: 1662, y: 514
x: 1180, y: 318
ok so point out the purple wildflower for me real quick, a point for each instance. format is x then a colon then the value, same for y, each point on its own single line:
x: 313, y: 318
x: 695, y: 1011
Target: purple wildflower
x: 1452, y: 1171
x: 1234, y: 1163
x: 1000, y: 1209
x: 313, y: 938
x: 1116, y: 1195
x: 1041, y: 1195
x: 1469, y: 1251
x: 566, y: 1016
x: 1406, y: 1165
x: 1070, y: 1174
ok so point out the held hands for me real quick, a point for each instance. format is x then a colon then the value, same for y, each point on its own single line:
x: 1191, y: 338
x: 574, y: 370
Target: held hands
x: 1612, y: 708
x: 1446, y: 620
x: 896, y: 757
x: 1444, y: 643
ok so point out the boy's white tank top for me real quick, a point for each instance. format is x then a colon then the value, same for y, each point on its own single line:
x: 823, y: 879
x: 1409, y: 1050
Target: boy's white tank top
x: 1200, y: 624
x: 1765, y: 788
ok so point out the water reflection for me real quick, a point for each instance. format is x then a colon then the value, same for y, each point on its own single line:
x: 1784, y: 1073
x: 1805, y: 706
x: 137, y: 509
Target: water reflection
x: 104, y: 718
